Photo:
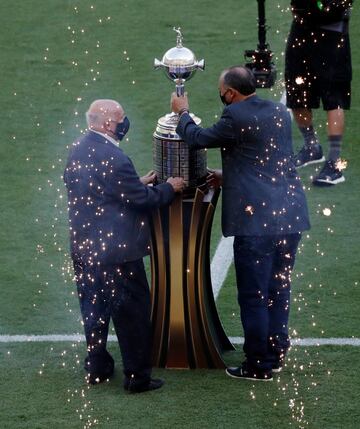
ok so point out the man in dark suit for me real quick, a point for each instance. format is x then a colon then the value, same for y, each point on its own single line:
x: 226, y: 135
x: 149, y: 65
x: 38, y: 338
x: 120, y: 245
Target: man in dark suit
x: 264, y: 208
x: 108, y: 207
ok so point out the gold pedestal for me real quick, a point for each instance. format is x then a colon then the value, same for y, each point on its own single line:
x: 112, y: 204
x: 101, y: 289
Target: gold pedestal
x: 186, y: 326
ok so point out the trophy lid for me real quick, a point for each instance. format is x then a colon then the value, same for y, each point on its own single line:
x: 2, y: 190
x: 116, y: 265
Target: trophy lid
x: 179, y: 56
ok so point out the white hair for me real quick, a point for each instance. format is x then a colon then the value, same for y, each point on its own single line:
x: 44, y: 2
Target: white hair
x: 94, y: 119
x: 101, y: 111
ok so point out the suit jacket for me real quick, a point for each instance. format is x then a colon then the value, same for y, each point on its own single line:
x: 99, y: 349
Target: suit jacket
x: 107, y: 203
x: 262, y: 193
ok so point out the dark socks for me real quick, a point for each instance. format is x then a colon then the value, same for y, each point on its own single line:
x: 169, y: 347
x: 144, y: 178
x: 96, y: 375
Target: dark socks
x: 334, y: 147
x: 309, y: 135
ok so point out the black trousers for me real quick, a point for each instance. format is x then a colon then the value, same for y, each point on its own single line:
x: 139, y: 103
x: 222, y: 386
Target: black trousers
x: 317, y: 67
x: 122, y: 294
x: 263, y: 267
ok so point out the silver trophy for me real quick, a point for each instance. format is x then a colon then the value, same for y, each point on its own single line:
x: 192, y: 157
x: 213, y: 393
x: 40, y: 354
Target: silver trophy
x: 171, y: 155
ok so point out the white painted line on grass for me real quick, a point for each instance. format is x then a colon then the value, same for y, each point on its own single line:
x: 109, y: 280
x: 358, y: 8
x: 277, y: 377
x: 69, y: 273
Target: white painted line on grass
x: 313, y: 341
x: 220, y: 263
x: 283, y: 98
x: 112, y: 338
x: 46, y: 338
x: 283, y: 101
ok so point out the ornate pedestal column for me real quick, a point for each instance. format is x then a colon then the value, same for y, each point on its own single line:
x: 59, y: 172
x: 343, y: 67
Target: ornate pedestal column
x: 187, y: 329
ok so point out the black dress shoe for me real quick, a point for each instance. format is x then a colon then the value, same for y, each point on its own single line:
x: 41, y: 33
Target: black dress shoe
x: 98, y: 378
x: 278, y: 366
x: 243, y: 372
x: 152, y: 384
x: 99, y: 367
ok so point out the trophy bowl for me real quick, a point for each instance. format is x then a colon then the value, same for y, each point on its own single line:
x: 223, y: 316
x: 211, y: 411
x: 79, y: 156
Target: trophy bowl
x: 179, y: 64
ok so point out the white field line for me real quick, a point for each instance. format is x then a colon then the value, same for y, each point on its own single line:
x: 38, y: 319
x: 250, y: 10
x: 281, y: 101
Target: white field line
x: 305, y: 342
x: 220, y: 263
x: 283, y: 98
x: 283, y: 101
x: 77, y: 338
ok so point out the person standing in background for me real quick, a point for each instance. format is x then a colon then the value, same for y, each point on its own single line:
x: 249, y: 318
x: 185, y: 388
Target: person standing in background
x: 318, y: 67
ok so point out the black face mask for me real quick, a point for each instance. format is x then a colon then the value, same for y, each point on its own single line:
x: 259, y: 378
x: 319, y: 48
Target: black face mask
x: 222, y: 98
x: 122, y: 128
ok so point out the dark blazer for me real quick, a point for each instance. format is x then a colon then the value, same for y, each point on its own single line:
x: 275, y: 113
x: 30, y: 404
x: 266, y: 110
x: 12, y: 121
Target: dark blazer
x: 262, y: 193
x: 107, y: 203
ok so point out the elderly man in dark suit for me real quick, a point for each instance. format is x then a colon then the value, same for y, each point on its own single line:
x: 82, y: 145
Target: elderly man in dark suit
x: 264, y: 208
x: 108, y: 207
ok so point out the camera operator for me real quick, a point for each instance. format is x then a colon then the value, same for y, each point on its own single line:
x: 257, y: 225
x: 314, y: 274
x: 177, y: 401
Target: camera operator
x: 318, y: 67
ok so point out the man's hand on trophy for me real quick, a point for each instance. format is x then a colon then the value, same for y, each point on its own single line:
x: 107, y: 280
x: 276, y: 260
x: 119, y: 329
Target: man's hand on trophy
x: 214, y: 178
x: 179, y: 104
x: 149, y: 177
x: 177, y: 183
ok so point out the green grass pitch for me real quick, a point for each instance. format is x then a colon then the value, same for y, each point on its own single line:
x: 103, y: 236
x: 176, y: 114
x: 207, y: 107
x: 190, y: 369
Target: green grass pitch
x: 56, y: 57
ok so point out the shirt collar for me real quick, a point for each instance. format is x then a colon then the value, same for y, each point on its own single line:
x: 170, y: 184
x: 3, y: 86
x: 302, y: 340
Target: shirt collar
x: 110, y: 139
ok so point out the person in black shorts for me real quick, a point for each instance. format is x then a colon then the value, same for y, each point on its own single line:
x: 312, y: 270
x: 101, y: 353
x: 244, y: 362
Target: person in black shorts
x: 318, y: 68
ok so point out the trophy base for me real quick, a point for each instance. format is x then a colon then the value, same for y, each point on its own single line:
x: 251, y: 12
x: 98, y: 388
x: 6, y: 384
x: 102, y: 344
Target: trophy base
x: 186, y: 326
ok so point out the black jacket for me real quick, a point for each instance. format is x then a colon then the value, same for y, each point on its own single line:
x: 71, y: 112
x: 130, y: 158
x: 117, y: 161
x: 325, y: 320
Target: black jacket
x: 108, y: 205
x: 317, y: 13
x: 262, y: 193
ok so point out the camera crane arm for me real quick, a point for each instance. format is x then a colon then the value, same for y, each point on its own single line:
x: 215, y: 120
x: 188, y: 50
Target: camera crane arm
x: 262, y: 65
x: 261, y: 25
